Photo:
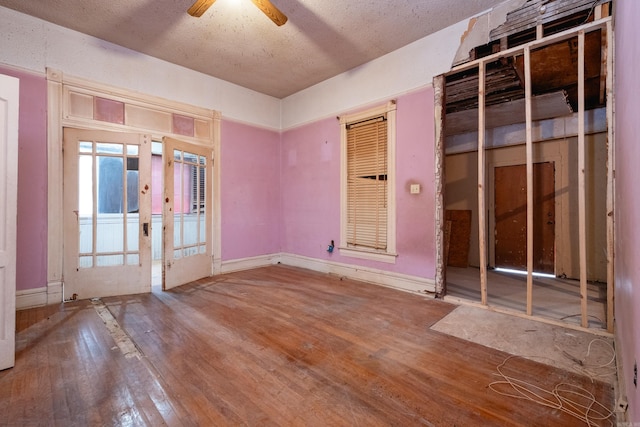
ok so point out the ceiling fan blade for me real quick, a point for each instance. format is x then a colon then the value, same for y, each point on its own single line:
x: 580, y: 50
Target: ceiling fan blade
x: 271, y: 11
x: 200, y: 7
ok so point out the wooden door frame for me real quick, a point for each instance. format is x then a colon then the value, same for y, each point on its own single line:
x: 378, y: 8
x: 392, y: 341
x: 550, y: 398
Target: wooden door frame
x: 69, y: 105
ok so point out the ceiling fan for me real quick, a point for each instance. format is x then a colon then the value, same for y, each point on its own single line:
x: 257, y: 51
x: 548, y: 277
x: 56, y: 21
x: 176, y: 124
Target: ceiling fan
x: 278, y: 18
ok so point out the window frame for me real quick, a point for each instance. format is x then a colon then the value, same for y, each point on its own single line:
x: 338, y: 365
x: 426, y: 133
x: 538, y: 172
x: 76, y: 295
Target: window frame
x: 389, y: 254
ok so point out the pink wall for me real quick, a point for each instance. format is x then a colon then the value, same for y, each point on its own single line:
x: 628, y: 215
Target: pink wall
x: 250, y: 199
x: 32, y: 181
x: 311, y: 189
x: 627, y: 202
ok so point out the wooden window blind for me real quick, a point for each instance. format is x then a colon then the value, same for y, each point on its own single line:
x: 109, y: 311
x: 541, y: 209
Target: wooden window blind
x: 367, y: 183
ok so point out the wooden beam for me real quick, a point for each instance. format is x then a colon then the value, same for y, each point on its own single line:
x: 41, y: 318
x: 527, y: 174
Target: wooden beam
x: 441, y: 231
x: 597, y: 12
x: 551, y: 39
x: 582, y: 205
x: 482, y: 238
x: 529, y: 160
x: 610, y: 180
x: 604, y: 56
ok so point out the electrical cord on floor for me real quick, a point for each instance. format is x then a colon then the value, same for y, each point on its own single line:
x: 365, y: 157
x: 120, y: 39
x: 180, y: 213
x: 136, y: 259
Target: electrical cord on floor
x: 568, y: 398
x: 593, y: 370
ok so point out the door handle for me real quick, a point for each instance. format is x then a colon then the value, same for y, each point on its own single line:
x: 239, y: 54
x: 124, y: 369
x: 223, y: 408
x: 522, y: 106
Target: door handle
x: 145, y: 229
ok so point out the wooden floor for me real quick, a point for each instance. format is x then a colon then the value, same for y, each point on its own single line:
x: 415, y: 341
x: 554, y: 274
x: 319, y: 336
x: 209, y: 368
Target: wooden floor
x: 271, y: 346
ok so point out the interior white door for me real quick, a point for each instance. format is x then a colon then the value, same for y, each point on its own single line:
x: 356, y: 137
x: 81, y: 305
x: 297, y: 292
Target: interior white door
x: 107, y: 213
x: 187, y: 220
x: 9, y: 92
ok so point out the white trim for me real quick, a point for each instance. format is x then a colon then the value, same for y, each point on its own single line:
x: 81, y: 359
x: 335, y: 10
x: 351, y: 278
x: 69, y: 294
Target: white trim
x: 58, y: 86
x: 29, y: 298
x: 374, y: 276
x: 54, y: 177
x: 54, y: 292
x: 389, y: 279
x: 249, y: 263
x: 370, y: 255
x: 389, y: 109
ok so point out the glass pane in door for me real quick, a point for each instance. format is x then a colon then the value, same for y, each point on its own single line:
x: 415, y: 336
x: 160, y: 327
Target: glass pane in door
x: 108, y: 199
x: 189, y: 204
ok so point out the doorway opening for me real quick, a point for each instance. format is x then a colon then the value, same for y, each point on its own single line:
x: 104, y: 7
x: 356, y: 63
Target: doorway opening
x: 525, y: 153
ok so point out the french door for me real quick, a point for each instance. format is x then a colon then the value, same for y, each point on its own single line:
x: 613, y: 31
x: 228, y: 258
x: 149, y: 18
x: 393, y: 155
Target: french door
x: 187, y: 213
x: 107, y: 213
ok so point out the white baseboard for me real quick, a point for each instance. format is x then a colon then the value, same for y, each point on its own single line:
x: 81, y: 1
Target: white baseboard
x: 249, y: 263
x: 54, y: 292
x: 37, y: 297
x: 29, y: 298
x: 620, y: 392
x: 389, y: 279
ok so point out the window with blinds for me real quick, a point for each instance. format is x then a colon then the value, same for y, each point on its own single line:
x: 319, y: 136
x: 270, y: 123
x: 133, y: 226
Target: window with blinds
x: 367, y: 194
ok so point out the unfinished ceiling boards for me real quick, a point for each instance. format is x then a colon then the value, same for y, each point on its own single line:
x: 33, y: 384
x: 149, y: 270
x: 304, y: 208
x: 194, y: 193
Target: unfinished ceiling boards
x: 236, y: 42
x: 552, y: 15
x: 554, y: 75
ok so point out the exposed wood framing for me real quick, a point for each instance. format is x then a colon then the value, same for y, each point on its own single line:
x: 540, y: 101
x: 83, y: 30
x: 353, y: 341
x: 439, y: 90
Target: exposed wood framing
x: 482, y: 239
x: 441, y: 261
x: 525, y: 49
x: 603, y: 64
x: 610, y: 179
x: 554, y: 38
x: 582, y: 203
x: 529, y: 161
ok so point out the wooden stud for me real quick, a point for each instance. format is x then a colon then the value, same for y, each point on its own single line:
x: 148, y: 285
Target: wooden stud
x: 582, y: 205
x: 597, y: 12
x: 529, y: 160
x: 604, y: 56
x: 539, y: 31
x: 482, y: 239
x: 610, y: 180
x: 439, y: 86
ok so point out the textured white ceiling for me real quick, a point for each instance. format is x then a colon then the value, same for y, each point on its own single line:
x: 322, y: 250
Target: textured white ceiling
x: 235, y: 42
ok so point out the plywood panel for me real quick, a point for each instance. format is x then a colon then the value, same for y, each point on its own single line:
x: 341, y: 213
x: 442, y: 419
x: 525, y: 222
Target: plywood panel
x: 459, y: 237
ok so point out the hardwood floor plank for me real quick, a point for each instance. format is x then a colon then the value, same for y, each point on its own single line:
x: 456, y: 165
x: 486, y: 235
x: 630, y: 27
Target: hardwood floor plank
x: 270, y: 346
